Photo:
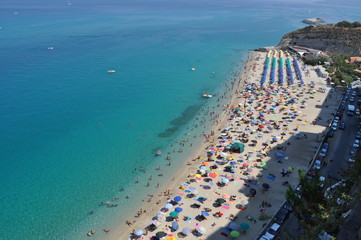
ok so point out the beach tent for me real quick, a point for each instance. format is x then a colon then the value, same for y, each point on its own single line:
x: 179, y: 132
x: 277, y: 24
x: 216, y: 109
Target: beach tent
x: 238, y: 147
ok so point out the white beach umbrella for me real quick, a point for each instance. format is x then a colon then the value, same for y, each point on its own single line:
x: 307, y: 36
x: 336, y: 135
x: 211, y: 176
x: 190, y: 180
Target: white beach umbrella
x: 201, y: 229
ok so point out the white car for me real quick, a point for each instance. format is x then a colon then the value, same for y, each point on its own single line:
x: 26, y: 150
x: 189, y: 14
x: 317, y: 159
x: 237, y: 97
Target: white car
x: 322, y: 180
x: 351, y: 160
x: 334, y: 126
x: 272, y: 231
x: 356, y: 144
x: 317, y: 164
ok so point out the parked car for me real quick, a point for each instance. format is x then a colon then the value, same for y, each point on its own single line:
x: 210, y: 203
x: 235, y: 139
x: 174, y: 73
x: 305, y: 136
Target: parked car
x: 322, y: 180
x: 317, y: 164
x: 353, y: 151
x: 356, y: 144
x: 357, y: 111
x: 342, y: 125
x: 325, y: 145
x: 312, y: 172
x: 358, y: 135
x: 334, y: 126
x: 272, y: 231
x: 353, y: 93
x: 282, y: 215
x: 352, y: 99
x: 351, y: 160
x: 323, y: 152
x: 349, y: 113
x: 330, y: 133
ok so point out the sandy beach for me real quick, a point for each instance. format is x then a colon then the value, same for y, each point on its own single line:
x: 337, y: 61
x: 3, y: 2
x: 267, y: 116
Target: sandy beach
x: 221, y: 193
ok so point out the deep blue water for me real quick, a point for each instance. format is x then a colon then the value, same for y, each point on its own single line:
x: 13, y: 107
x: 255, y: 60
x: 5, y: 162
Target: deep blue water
x: 72, y: 134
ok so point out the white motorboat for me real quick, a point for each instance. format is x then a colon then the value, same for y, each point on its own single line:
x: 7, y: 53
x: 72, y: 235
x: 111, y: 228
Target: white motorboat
x: 206, y: 95
x: 111, y: 71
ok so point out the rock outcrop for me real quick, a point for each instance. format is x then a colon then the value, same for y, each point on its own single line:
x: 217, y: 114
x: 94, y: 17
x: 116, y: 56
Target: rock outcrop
x: 327, y: 38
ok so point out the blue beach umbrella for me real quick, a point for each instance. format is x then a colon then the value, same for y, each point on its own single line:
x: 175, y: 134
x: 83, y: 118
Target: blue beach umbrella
x: 233, y: 226
x: 178, y: 209
x: 186, y: 231
x: 177, y: 198
x: 139, y: 232
x: 175, y: 226
x: 204, y: 213
x: 225, y: 180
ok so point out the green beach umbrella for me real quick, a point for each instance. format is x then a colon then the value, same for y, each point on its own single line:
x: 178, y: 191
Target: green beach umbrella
x: 263, y: 164
x: 160, y: 234
x: 173, y: 214
x: 235, y: 234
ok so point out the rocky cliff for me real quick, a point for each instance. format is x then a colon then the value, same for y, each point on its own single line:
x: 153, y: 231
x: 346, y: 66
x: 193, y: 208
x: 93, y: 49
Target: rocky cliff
x: 328, y: 38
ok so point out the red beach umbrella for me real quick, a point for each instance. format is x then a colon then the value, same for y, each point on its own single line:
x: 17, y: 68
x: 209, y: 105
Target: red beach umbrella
x: 212, y: 175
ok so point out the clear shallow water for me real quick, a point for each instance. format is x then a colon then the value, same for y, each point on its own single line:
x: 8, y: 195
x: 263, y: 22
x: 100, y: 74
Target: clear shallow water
x: 72, y: 133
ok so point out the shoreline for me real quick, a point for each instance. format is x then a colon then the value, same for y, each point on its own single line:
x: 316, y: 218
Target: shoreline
x: 298, y: 156
x: 122, y: 232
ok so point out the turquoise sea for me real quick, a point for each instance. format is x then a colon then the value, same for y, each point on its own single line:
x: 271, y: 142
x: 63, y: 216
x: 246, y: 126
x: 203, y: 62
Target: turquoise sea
x: 73, y: 135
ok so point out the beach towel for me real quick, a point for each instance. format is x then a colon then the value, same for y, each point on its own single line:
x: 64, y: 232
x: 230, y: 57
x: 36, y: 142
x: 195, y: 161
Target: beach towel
x: 271, y: 178
x: 225, y: 207
x: 226, y: 230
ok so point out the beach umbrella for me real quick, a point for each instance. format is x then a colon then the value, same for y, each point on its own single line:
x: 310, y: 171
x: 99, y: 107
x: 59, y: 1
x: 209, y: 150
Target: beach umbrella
x: 233, y: 163
x: 233, y: 225
x: 235, y: 234
x: 265, y: 185
x: 245, y: 164
x: 220, y: 200
x: 168, y: 206
x: 208, y: 171
x: 139, y: 232
x: 178, y: 209
x: 161, y: 218
x: 253, y: 191
x: 204, y: 213
x: 225, y: 180
x: 226, y: 196
x: 173, y: 214
x: 197, y: 176
x: 175, y: 226
x: 263, y: 164
x: 171, y: 238
x: 186, y: 231
x: 201, y: 229
x: 160, y: 234
x: 177, y: 198
x: 244, y: 226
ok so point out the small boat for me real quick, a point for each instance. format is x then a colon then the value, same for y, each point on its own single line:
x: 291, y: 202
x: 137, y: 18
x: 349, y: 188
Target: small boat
x: 159, y: 153
x: 111, y: 71
x: 193, y: 68
x: 206, y: 95
x: 50, y: 48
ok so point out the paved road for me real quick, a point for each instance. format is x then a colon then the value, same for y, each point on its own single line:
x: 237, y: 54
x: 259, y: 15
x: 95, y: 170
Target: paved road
x: 340, y: 146
x: 339, y: 152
